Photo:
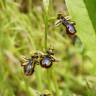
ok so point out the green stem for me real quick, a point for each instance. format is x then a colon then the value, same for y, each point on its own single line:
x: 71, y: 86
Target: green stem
x: 46, y: 29
x: 45, y: 43
x: 49, y: 71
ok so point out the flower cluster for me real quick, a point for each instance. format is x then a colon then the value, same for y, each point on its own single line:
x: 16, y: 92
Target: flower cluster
x: 45, y: 60
x: 70, y: 27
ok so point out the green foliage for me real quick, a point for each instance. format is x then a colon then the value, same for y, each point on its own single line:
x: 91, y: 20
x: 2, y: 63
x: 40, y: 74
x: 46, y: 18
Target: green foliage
x: 24, y: 33
x: 82, y: 12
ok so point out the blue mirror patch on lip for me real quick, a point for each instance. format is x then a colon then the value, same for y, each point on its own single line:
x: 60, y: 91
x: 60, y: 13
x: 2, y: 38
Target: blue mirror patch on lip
x: 46, y: 61
x: 29, y: 67
x: 71, y: 28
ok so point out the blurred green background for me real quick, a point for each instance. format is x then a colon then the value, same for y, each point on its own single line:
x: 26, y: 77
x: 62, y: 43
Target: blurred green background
x: 23, y: 25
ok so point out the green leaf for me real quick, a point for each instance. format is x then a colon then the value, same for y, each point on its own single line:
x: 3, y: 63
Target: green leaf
x: 85, y: 28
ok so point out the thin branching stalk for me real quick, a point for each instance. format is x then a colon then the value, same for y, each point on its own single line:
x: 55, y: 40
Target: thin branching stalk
x: 46, y: 29
x: 46, y: 33
x: 49, y: 71
x: 45, y: 43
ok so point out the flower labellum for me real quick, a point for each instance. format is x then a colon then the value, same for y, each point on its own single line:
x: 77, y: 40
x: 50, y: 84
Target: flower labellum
x: 29, y: 67
x: 71, y: 29
x: 46, y: 62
